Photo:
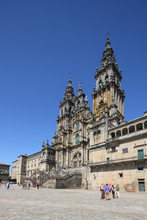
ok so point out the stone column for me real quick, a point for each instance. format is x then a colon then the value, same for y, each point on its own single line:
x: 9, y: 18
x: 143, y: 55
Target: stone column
x: 82, y: 156
x: 57, y: 158
x: 118, y: 100
x: 85, y: 155
x: 67, y: 161
x: 85, y: 159
x: 62, y: 158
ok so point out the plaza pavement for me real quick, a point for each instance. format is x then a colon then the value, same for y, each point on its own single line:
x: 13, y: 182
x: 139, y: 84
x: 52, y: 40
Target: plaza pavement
x: 69, y: 204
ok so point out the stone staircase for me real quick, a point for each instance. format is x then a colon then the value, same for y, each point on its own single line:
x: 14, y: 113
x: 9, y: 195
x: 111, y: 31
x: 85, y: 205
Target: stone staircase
x: 61, y: 179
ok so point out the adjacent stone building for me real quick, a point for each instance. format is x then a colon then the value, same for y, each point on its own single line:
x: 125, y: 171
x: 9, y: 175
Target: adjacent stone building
x: 4, y: 172
x: 99, y: 144
x: 28, y: 165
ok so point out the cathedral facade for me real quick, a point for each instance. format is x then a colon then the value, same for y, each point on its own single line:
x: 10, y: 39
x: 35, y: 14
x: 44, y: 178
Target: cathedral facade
x: 99, y: 143
x: 77, y: 127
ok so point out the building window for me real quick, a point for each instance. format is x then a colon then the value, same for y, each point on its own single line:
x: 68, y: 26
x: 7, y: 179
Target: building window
x: 121, y: 174
x: 125, y: 131
x: 113, y: 149
x: 94, y: 137
x: 125, y: 150
x: 107, y: 160
x: 140, y: 166
x: 99, y: 132
x: 118, y: 133
x: 131, y: 129
x: 75, y: 164
x: 61, y: 112
x: 139, y: 127
x: 77, y: 125
x: 77, y: 139
x: 140, y: 154
x: 100, y: 83
x: 106, y: 79
x: 113, y: 135
x: 141, y: 185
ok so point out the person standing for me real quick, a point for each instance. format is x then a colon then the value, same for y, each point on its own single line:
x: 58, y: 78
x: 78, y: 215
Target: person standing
x: 113, y: 191
x: 28, y: 185
x: 107, y: 188
x: 102, y: 191
x: 117, y: 191
x: 37, y: 185
x: 8, y: 185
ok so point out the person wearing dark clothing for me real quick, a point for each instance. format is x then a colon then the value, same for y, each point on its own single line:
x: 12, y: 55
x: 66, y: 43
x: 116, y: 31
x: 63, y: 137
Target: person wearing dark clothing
x: 102, y: 191
x: 113, y: 191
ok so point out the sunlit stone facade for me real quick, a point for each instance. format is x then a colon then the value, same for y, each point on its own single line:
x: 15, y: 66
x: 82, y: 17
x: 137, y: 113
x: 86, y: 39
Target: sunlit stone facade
x: 4, y: 172
x: 98, y: 143
x: 27, y: 166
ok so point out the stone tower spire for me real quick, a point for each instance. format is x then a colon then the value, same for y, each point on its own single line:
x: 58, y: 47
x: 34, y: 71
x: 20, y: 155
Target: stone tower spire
x: 66, y: 107
x: 108, y: 55
x: 80, y: 90
x: 108, y: 94
x: 69, y: 93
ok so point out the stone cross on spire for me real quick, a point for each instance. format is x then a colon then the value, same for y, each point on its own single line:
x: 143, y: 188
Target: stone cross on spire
x: 69, y: 81
x: 79, y: 84
x: 108, y: 44
x: 80, y: 91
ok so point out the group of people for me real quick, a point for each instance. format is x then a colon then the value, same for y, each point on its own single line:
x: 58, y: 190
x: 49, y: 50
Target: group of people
x: 7, y: 184
x: 27, y: 185
x: 109, y: 191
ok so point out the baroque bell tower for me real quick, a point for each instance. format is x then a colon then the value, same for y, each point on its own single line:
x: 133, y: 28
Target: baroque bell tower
x: 108, y: 97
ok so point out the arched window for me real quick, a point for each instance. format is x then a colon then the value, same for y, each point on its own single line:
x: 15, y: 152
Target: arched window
x: 106, y: 79
x: 118, y: 82
x: 118, y: 133
x: 131, y: 129
x: 94, y: 133
x: 100, y: 83
x: 77, y: 139
x: 77, y: 125
x: 61, y: 112
x: 98, y: 136
x: 139, y: 126
x: 94, y: 137
x: 98, y: 132
x: 145, y: 124
x: 113, y: 135
x: 124, y: 131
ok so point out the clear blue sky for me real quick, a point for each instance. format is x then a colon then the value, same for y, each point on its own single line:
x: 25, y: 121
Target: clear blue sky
x: 41, y: 41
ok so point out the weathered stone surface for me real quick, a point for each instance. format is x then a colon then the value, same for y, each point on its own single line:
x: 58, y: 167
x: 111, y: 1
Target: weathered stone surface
x: 49, y: 204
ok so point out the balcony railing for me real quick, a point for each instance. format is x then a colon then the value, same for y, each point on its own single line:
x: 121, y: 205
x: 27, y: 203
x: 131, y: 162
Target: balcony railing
x: 116, y: 161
